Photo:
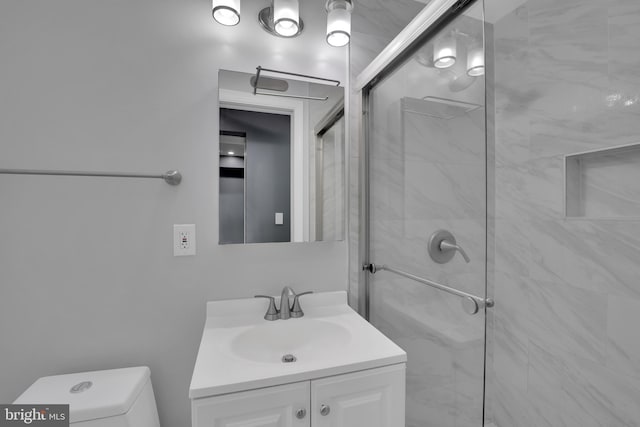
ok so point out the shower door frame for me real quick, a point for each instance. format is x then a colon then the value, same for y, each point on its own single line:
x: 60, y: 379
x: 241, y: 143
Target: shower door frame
x: 435, y: 16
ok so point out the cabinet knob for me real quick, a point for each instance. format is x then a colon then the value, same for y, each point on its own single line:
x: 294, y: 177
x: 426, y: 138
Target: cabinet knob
x: 301, y: 413
x: 324, y: 410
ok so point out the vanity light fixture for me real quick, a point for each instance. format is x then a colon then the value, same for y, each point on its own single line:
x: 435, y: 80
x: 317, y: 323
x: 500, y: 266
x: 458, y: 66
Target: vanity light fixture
x: 475, y: 62
x: 338, y: 22
x: 445, y: 51
x: 282, y: 18
x: 226, y: 12
x: 286, y: 17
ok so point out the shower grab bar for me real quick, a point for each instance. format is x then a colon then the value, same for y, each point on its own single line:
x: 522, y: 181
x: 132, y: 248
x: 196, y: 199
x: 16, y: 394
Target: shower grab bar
x: 470, y: 303
x: 172, y: 177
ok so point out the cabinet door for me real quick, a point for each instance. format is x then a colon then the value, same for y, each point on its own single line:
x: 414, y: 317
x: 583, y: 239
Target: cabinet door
x: 371, y: 398
x: 267, y: 407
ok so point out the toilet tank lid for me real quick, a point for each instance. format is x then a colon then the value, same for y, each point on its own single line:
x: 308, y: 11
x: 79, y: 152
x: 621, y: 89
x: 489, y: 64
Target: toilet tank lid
x: 90, y: 395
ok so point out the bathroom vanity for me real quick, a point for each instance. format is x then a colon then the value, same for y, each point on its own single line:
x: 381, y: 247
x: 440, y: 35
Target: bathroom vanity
x: 327, y: 368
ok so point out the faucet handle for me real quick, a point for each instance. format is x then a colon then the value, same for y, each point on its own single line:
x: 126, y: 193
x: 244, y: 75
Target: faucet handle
x: 272, y: 311
x: 296, y: 311
x: 446, y: 245
x: 443, y: 246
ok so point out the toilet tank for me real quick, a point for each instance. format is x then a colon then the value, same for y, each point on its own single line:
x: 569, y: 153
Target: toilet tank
x: 112, y: 398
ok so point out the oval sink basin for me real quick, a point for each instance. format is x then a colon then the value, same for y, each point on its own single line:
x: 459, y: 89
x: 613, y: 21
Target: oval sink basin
x: 306, y: 339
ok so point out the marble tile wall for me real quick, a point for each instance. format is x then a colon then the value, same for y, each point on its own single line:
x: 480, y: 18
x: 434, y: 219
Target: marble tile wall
x: 565, y: 342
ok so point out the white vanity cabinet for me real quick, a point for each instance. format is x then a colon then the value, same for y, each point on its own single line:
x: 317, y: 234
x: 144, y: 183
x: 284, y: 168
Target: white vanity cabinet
x: 329, y: 368
x: 372, y: 398
x: 266, y: 407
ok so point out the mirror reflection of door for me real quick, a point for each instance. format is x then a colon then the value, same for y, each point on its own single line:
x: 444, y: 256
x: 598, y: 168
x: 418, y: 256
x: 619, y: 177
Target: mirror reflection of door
x: 232, y: 186
x: 255, y: 203
x: 330, y: 181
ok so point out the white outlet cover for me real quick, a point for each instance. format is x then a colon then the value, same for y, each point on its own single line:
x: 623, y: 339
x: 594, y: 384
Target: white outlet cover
x: 184, y: 239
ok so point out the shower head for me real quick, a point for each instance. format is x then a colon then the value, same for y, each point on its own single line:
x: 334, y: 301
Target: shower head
x: 440, y: 108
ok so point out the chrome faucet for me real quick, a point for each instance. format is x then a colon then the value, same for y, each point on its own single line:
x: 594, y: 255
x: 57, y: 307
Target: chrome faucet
x: 287, y: 310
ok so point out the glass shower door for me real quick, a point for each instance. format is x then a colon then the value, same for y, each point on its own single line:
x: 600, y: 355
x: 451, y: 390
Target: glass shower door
x: 427, y: 172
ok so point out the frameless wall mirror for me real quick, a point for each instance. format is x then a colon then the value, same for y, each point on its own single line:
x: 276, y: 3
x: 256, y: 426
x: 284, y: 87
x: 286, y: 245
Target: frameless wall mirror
x: 282, y: 159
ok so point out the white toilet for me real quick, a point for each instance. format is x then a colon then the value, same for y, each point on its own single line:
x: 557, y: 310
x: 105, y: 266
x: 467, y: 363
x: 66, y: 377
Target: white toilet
x: 113, y: 398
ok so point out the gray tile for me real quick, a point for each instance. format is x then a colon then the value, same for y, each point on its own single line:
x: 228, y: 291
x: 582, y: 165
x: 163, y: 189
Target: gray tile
x: 623, y: 349
x: 568, y: 318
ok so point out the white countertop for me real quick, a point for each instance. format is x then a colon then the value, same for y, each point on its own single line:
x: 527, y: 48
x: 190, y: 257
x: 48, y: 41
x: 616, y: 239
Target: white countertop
x: 348, y: 343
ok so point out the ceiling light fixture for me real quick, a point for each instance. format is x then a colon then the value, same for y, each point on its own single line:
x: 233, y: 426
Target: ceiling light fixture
x: 338, y: 22
x: 444, y: 51
x: 475, y: 62
x: 226, y: 12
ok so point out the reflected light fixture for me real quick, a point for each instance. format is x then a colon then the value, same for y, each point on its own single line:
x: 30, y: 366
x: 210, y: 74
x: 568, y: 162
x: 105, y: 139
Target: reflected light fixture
x: 286, y: 17
x: 226, y: 12
x: 444, y: 51
x: 475, y: 62
x: 338, y: 22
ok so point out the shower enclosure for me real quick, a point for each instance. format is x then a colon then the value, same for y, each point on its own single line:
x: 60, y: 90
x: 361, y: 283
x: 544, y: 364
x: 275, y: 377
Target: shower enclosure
x: 426, y: 222
x: 533, y: 168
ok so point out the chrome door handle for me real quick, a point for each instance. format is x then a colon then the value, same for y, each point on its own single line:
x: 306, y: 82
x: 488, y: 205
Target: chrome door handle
x: 446, y: 245
x: 301, y: 413
x: 324, y: 410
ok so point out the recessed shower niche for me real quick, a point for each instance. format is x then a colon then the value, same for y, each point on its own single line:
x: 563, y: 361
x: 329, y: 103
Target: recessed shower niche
x: 603, y: 184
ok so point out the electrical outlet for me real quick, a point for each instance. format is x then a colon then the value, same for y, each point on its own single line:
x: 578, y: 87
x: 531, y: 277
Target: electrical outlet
x: 184, y: 239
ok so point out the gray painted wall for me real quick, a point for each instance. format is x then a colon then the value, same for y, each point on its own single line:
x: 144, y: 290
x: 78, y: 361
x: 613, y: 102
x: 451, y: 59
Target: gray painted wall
x: 87, y: 274
x: 267, y: 173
